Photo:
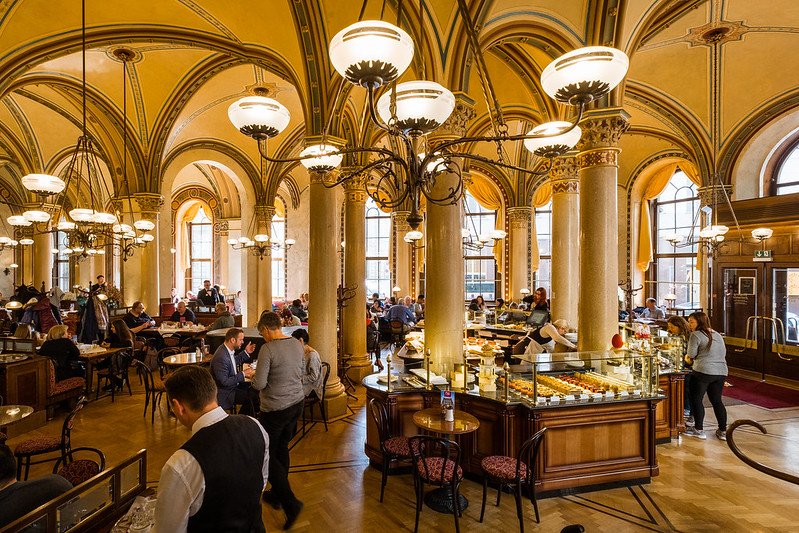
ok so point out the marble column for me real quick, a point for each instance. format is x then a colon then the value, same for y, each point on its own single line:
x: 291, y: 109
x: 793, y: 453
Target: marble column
x: 150, y: 294
x: 322, y: 284
x: 599, y: 277
x: 565, y: 239
x: 353, y: 315
x: 519, y: 239
x: 263, y: 274
x: 223, y: 272
x: 42, y: 256
x: 402, y: 258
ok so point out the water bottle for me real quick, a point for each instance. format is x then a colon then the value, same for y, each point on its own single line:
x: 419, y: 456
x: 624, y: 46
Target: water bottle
x: 197, y: 355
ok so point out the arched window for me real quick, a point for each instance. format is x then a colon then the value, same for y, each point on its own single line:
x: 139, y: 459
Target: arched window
x: 62, y: 264
x: 787, y: 181
x: 378, y: 231
x: 201, y: 249
x: 543, y: 229
x: 278, y: 236
x: 676, y: 212
x: 480, y: 266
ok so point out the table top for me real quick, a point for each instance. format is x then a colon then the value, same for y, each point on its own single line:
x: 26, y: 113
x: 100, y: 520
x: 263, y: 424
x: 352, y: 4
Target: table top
x: 192, y: 330
x: 101, y: 353
x: 13, y: 413
x: 186, y: 359
x: 432, y: 420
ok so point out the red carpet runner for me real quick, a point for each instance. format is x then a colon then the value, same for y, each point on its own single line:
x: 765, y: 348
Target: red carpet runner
x: 761, y: 394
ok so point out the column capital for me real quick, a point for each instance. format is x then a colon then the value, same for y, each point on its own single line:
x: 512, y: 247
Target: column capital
x: 355, y: 189
x: 264, y: 214
x: 564, y: 176
x: 149, y: 204
x: 519, y: 216
x: 458, y: 122
x: 324, y: 178
x: 400, y: 221
x: 714, y: 194
x: 602, y: 130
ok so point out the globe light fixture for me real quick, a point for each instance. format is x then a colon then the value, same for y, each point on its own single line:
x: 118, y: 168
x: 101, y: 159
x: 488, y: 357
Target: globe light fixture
x: 321, y: 158
x: 144, y: 225
x: 19, y: 221
x: 259, y: 117
x: 371, y: 53
x: 65, y: 225
x: 82, y: 214
x: 36, y: 215
x: 43, y: 184
x: 104, y: 218
x: 148, y: 237
x: 585, y: 74
x: 26, y: 241
x: 422, y: 106
x: 558, y: 138
x: 761, y: 234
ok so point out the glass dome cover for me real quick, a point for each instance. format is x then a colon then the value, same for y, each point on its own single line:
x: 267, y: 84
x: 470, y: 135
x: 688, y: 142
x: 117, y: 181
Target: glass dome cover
x: 259, y: 117
x: 584, y: 74
x: 371, y: 53
x: 555, y: 143
x: 422, y: 106
x: 329, y: 158
x: 43, y: 183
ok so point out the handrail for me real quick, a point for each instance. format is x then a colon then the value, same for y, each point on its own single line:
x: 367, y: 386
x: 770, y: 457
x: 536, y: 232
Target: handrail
x: 751, y: 462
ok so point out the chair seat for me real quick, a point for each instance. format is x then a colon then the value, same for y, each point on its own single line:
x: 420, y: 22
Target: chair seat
x: 398, y: 446
x: 502, y: 467
x: 434, y: 467
x: 38, y: 445
x: 67, y: 385
x: 79, y: 471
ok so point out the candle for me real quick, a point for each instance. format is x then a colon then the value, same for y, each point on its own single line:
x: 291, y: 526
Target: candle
x: 427, y: 365
x: 507, y: 380
x: 388, y: 373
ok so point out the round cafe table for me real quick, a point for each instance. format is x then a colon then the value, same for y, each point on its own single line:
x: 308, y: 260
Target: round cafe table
x: 433, y: 421
x: 10, y: 414
x: 189, y: 358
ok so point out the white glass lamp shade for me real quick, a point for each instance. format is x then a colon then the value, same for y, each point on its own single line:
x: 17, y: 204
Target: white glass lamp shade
x: 422, y: 106
x: 26, y: 241
x: 100, y: 251
x: 129, y: 235
x: 91, y: 251
x: 14, y: 242
x: 13, y: 304
x: 65, y: 225
x: 230, y: 242
x: 36, y: 215
x: 66, y: 251
x: 144, y: 225
x: 413, y: 236
x: 43, y: 184
x: 371, y: 53
x: 261, y: 238
x: 259, y: 117
x: 148, y: 237
x: 80, y: 214
x: 328, y: 158
x: 101, y: 217
x: 706, y: 232
x: 498, y: 234
x: 12, y: 266
x: 670, y: 297
x: 674, y: 238
x: 762, y: 234
x: 524, y: 290
x: 584, y: 74
x: 290, y: 242
x: 5, y: 241
x: 553, y: 143
x: 174, y: 250
x: 138, y: 240
x: 249, y: 244
x: 18, y: 220
x: 78, y: 249
x: 54, y: 251
x: 720, y: 229
x: 395, y: 289
x: 121, y: 228
x: 102, y: 297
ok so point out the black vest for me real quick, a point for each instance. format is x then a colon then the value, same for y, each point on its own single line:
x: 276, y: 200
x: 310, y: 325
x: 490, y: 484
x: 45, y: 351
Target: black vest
x: 537, y: 337
x: 231, y: 456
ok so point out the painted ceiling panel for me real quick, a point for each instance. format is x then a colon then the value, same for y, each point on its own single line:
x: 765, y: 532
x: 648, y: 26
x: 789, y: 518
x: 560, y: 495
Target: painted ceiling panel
x: 633, y: 13
x: 569, y: 15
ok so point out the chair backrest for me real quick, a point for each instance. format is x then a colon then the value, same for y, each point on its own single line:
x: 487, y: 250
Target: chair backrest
x: 528, y: 454
x: 146, y: 374
x: 50, y: 376
x: 69, y: 422
x: 396, y: 326
x: 380, y: 416
x: 120, y: 361
x: 88, y: 467
x: 326, y: 374
x: 424, y: 447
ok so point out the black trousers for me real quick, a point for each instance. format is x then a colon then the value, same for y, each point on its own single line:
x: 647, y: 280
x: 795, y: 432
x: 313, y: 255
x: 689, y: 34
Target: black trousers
x: 700, y: 384
x: 280, y: 426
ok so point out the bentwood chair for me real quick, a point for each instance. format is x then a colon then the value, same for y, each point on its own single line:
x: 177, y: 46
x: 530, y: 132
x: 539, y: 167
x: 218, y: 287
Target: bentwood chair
x: 76, y: 471
x: 392, y: 448
x: 152, y: 391
x: 27, y: 449
x: 436, y: 462
x: 312, y: 399
x: 116, y: 374
x: 514, y: 472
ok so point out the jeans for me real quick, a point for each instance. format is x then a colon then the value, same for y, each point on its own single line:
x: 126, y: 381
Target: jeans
x: 699, y: 384
x: 280, y: 426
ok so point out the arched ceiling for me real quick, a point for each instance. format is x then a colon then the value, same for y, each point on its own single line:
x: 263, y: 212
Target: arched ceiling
x: 703, y: 74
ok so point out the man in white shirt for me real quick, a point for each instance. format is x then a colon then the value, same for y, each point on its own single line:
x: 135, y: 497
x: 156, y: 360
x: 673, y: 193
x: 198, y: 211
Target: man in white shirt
x: 213, y: 482
x: 652, y: 311
x: 232, y: 388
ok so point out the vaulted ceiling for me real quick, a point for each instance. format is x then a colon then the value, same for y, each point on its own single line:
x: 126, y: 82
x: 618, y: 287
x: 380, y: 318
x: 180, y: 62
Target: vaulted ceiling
x: 704, y: 76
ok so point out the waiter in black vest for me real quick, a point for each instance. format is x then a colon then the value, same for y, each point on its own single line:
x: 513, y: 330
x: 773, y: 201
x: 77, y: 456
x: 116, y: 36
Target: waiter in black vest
x: 212, y: 483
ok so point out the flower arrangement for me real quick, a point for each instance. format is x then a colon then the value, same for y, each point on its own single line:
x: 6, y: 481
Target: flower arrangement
x: 115, y: 298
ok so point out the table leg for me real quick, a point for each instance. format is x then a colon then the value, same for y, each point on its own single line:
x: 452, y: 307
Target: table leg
x: 440, y: 500
x: 89, y: 376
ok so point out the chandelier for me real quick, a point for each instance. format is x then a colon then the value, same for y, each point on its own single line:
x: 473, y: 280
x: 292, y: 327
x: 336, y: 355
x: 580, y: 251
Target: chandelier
x: 89, y: 228
x: 260, y: 245
x: 374, y: 53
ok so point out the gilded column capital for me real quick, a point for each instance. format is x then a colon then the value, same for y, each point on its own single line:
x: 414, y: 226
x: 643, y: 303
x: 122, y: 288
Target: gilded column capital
x: 602, y: 131
x: 466, y: 177
x: 149, y: 205
x: 324, y: 178
x: 400, y: 221
x: 714, y: 194
x: 458, y: 122
x: 519, y: 216
x: 264, y: 214
x: 564, y: 175
x: 355, y: 189
x: 222, y: 227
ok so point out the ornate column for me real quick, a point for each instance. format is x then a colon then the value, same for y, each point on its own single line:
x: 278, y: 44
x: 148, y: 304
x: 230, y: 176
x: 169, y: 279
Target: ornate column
x: 263, y: 274
x: 223, y: 272
x: 322, y: 284
x: 149, y: 294
x: 353, y: 315
x: 519, y: 249
x: 565, y: 239
x: 444, y: 255
x: 599, y: 279
x: 402, y: 257
x: 41, y: 254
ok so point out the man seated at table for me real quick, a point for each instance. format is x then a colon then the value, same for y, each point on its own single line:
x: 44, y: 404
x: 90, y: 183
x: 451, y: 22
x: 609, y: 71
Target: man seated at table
x: 18, y: 498
x: 298, y: 311
x: 401, y: 313
x: 208, y: 295
x: 223, y: 318
x: 652, y: 311
x: 215, y: 480
x: 183, y: 314
x: 232, y: 389
x: 137, y: 320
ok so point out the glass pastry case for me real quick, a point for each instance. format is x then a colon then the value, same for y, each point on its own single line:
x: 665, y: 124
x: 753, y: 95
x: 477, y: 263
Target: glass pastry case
x: 560, y: 379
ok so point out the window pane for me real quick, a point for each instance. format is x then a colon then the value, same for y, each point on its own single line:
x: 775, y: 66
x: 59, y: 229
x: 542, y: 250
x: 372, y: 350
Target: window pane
x: 789, y: 173
x: 378, y: 233
x: 543, y: 229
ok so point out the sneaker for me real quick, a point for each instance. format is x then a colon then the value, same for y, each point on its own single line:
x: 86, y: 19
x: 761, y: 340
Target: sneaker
x: 689, y: 421
x: 693, y: 432
x: 721, y: 435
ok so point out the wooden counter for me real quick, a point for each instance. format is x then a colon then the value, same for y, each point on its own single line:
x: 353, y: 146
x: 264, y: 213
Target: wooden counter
x: 669, y: 414
x: 25, y: 383
x: 586, y: 444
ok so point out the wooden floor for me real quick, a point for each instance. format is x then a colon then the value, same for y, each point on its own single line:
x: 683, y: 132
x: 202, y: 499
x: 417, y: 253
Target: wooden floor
x: 702, y: 486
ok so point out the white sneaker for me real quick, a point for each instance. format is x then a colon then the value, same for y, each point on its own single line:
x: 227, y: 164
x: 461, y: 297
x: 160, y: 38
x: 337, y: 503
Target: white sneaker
x: 693, y: 432
x: 721, y: 435
x: 689, y: 421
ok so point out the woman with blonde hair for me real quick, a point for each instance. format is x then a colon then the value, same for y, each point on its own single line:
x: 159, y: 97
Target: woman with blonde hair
x: 64, y: 353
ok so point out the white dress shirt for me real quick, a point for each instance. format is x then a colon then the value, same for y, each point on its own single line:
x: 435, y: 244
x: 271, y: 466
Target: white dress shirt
x: 232, y: 358
x: 182, y: 484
